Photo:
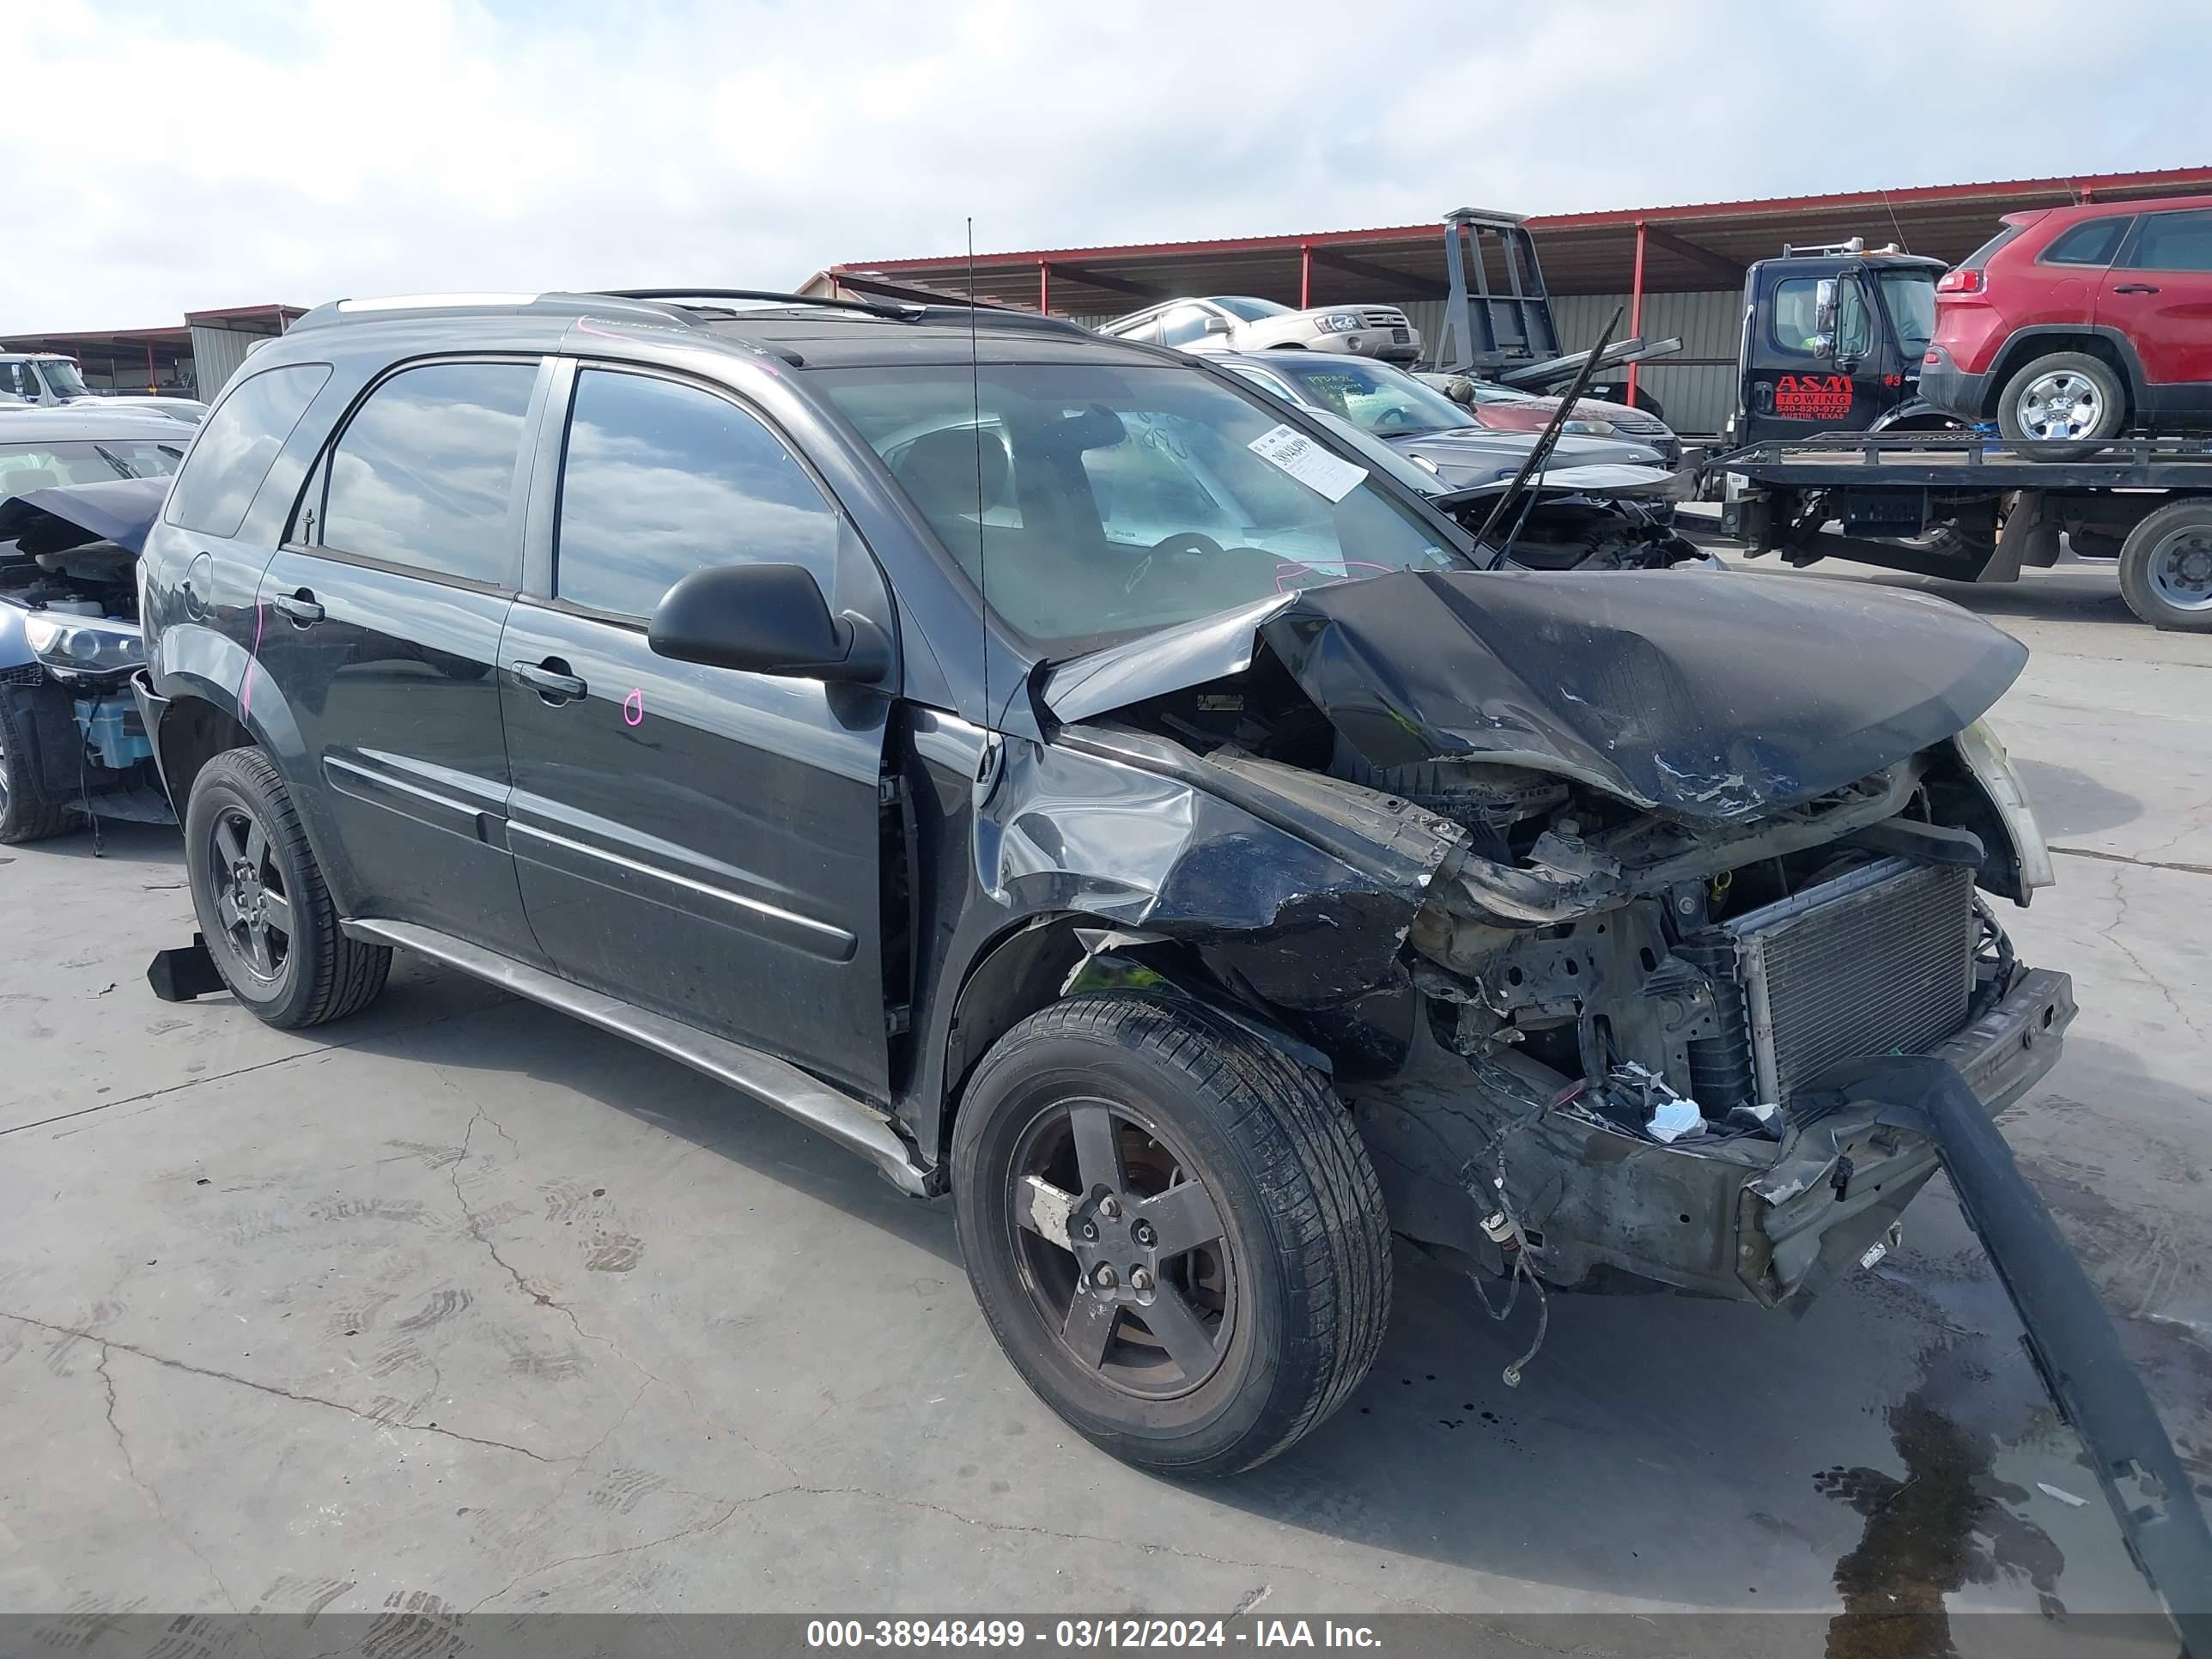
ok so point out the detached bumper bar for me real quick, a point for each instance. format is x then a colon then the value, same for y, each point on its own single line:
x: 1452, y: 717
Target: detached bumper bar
x: 2069, y: 1337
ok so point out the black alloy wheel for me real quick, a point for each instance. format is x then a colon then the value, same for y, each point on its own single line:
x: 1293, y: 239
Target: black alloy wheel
x: 1173, y: 1229
x: 1123, y: 1251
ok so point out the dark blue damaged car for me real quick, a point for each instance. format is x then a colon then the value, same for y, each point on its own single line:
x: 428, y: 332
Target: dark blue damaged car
x: 1094, y: 790
x: 79, y: 488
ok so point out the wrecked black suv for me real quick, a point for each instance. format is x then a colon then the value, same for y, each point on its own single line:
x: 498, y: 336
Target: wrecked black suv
x: 1078, y: 784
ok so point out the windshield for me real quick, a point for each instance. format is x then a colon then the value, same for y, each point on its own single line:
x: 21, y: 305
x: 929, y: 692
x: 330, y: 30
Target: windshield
x: 26, y: 467
x: 1373, y: 397
x: 1114, y: 500
x: 1247, y: 308
x: 62, y: 376
x: 1912, y: 298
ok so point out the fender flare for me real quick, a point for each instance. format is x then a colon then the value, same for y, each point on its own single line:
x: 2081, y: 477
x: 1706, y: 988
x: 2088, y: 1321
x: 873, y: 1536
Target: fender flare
x: 194, y: 662
x: 1030, y: 964
x: 1917, y: 411
x: 2008, y: 359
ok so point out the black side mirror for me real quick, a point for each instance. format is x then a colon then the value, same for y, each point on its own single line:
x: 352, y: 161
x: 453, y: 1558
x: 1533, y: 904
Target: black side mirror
x: 765, y: 619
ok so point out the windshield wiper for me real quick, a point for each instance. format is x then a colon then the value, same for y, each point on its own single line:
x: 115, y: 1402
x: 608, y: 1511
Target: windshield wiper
x: 122, y: 468
x: 1542, y: 452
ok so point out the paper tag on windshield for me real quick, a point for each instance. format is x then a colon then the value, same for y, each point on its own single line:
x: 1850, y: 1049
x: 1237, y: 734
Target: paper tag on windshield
x: 1308, y: 462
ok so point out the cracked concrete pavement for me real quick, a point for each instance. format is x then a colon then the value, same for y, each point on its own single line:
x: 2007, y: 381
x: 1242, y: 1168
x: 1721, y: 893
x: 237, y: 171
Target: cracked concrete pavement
x: 460, y: 1305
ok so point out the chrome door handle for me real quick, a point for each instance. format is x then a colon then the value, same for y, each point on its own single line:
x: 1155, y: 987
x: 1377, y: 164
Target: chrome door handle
x: 549, y: 679
x: 301, y: 607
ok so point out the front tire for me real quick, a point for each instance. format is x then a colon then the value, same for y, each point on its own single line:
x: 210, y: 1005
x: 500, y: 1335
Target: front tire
x: 27, y: 811
x: 264, y: 910
x: 1173, y: 1230
x: 2066, y: 397
x: 2166, y: 567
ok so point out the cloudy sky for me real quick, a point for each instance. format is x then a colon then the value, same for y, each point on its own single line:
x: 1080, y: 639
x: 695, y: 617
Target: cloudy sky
x: 161, y: 156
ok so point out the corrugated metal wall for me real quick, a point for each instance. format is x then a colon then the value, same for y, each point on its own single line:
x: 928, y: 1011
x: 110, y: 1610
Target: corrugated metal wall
x: 1695, y: 387
x: 1696, y: 395
x: 217, y: 354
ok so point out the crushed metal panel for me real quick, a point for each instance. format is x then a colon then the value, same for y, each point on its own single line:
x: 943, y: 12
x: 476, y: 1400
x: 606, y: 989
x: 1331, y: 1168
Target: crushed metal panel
x: 1617, y: 682
x: 1165, y: 660
x: 1303, y: 886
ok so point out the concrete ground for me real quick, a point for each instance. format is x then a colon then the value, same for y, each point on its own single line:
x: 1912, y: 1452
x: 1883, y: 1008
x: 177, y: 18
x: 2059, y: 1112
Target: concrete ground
x: 462, y: 1305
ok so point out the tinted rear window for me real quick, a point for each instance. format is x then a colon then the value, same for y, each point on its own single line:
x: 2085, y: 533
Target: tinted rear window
x: 237, y: 445
x: 2174, y: 241
x: 2092, y: 242
x: 423, y: 474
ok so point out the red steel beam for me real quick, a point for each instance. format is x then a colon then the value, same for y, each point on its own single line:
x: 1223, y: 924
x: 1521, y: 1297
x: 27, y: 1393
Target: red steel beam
x: 1636, y: 306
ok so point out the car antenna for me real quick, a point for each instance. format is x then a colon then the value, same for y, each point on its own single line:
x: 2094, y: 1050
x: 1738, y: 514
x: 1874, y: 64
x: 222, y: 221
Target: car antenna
x: 1546, y: 444
x: 1891, y: 208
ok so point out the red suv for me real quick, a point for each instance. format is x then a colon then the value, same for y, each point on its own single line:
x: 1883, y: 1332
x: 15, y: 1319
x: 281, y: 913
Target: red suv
x: 2081, y: 322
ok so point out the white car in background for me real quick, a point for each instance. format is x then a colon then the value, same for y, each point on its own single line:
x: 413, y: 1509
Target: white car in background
x: 1239, y: 322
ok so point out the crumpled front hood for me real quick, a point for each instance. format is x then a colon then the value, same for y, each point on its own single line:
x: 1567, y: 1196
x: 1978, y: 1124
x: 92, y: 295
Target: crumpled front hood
x: 57, y: 516
x: 1712, y: 700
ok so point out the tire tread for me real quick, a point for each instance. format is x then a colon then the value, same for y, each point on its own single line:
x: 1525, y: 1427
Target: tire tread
x: 30, y: 814
x: 348, y: 975
x: 1325, y: 1210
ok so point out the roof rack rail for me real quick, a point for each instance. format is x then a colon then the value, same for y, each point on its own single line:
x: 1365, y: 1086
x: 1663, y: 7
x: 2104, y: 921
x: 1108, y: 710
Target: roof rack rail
x: 942, y: 308
x: 686, y: 306
x: 334, y: 311
x: 677, y: 295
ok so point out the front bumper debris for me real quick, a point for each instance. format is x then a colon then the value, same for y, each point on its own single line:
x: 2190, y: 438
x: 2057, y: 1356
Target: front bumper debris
x: 1844, y: 1176
x: 1739, y: 1218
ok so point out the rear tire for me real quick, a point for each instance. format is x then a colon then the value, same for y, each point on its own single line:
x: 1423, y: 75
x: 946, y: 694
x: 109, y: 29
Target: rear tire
x: 2068, y: 395
x: 271, y: 927
x: 1087, y: 1115
x: 2166, y: 567
x: 26, y: 812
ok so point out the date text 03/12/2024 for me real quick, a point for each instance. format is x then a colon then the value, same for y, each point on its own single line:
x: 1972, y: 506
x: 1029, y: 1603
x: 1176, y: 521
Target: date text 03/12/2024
x: 1087, y: 1634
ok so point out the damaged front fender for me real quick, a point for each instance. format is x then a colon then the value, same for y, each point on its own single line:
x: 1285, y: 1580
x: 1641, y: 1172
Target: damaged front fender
x: 1298, y: 888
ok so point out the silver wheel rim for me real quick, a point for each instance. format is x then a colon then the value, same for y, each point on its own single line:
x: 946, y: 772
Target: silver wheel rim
x: 250, y: 905
x: 2181, y: 568
x: 2061, y: 404
x: 4, y: 775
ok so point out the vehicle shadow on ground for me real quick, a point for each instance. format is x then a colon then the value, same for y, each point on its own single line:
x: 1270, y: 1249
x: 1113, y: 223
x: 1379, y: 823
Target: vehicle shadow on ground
x: 526, y: 1039
x: 2067, y: 592
x: 120, y: 842
x: 2069, y: 802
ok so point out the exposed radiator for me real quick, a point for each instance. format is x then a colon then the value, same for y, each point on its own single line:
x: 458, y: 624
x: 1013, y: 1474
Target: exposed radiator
x: 1878, y: 961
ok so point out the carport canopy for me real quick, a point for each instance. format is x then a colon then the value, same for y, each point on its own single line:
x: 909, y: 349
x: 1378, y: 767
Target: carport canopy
x: 1629, y: 249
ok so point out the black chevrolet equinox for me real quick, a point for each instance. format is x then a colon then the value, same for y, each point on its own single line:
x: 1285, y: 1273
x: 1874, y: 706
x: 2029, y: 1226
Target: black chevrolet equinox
x: 1086, y: 788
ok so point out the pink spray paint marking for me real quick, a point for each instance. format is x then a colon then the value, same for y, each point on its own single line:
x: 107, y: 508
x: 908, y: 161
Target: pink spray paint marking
x: 245, y: 694
x: 633, y: 706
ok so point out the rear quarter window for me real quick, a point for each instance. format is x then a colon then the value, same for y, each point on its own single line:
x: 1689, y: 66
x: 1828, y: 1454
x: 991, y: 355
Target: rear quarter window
x: 2092, y: 242
x: 1981, y: 255
x: 237, y: 445
x: 422, y: 476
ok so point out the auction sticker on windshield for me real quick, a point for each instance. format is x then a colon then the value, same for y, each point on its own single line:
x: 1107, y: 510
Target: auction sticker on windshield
x: 1308, y: 462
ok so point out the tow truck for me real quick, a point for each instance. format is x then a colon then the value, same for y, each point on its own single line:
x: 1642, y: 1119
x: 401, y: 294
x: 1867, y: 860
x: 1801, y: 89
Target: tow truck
x: 1831, y: 341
